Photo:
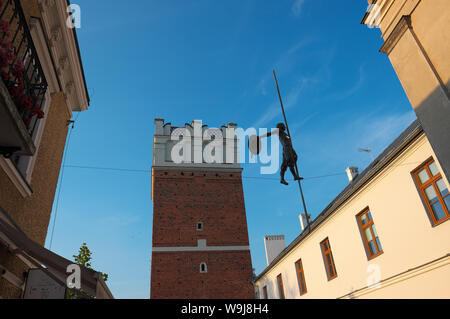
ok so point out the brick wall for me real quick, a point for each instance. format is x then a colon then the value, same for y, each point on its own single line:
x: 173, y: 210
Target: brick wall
x: 177, y: 275
x: 32, y: 214
x: 182, y: 199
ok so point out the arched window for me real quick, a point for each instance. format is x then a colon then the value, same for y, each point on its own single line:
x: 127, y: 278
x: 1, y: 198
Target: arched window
x: 203, y: 268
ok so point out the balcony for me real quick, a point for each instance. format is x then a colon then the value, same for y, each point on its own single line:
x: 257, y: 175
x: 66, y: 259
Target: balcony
x: 22, y: 83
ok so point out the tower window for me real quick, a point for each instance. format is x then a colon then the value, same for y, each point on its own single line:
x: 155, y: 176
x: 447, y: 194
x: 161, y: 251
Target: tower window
x: 199, y: 226
x: 203, y: 268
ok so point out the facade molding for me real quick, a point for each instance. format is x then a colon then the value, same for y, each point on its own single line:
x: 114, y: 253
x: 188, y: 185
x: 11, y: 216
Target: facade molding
x: 195, y: 167
x: 64, y: 48
x: 405, y: 275
x: 400, y: 29
x: 40, y: 43
x: 16, y: 178
x: 11, y: 278
x: 402, y: 26
x: 201, y: 247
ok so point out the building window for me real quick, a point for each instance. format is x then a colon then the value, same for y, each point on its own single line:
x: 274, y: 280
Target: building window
x: 25, y: 164
x: 434, y: 191
x: 301, y: 277
x: 280, y: 286
x: 199, y: 226
x: 203, y: 268
x: 369, y: 234
x: 328, y: 259
x: 265, y: 294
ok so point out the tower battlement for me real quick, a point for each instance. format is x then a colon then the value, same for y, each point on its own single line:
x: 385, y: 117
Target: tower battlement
x: 195, y: 145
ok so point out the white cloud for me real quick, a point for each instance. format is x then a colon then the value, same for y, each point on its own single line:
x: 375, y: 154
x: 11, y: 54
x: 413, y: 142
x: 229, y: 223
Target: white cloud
x: 291, y: 99
x: 353, y: 89
x: 338, y: 144
x: 321, y: 76
x: 283, y: 64
x: 297, y: 7
x: 381, y: 131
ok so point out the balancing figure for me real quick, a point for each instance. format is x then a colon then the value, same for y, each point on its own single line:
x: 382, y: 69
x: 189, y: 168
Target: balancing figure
x: 289, y: 155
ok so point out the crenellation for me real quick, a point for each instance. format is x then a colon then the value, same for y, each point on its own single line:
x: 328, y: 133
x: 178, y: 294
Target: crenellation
x: 194, y: 143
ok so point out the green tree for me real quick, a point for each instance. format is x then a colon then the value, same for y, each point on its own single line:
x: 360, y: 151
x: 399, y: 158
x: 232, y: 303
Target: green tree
x: 83, y: 259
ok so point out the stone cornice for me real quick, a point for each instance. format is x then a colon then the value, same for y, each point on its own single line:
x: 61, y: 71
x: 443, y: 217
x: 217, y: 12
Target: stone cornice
x: 402, y: 26
x: 63, y: 46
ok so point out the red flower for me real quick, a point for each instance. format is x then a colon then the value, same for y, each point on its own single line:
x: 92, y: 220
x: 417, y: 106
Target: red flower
x: 4, y: 26
x: 18, y: 74
x: 26, y: 102
x: 11, y: 56
x: 37, y: 111
x: 27, y: 121
x: 3, y: 62
x: 15, y: 91
x: 19, y: 66
x: 6, y: 45
x: 6, y: 77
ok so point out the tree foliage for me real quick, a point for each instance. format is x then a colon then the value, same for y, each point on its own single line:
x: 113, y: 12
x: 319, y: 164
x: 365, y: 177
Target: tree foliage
x: 83, y: 259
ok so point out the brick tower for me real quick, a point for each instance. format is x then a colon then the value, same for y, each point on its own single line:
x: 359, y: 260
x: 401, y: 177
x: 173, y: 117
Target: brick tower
x: 200, y: 244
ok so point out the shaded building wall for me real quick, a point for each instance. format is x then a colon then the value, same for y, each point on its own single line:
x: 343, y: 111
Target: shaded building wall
x: 32, y: 213
x: 417, y: 43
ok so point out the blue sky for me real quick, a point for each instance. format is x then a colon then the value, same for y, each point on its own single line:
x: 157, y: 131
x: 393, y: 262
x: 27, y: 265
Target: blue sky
x: 213, y: 61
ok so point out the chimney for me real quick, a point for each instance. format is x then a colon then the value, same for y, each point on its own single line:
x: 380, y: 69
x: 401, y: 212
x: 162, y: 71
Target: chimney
x: 303, y: 221
x: 274, y: 246
x: 352, y: 173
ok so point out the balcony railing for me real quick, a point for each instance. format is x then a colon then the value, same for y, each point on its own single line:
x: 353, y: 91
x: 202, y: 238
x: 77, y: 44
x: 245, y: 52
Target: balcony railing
x: 20, y: 71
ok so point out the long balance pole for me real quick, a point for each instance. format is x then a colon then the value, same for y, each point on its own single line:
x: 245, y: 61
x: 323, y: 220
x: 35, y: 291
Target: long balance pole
x: 290, y: 136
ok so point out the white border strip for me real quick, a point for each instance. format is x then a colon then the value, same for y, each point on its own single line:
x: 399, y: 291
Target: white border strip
x: 201, y: 247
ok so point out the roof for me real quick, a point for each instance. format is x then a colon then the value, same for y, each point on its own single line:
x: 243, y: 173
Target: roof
x: 390, y: 153
x: 38, y: 257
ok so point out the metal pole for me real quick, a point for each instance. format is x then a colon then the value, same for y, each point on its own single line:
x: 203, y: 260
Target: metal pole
x: 290, y: 136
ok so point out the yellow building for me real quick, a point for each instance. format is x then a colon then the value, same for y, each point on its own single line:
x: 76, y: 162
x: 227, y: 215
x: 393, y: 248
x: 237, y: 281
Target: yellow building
x: 417, y: 42
x: 384, y: 236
